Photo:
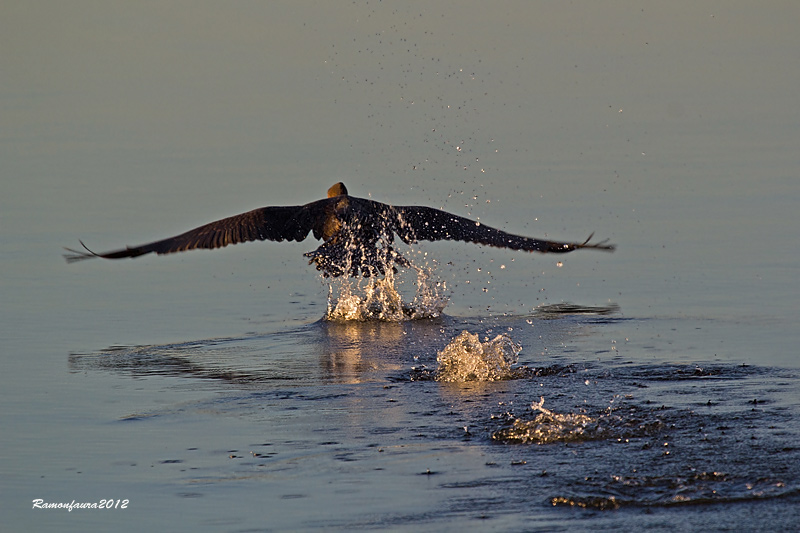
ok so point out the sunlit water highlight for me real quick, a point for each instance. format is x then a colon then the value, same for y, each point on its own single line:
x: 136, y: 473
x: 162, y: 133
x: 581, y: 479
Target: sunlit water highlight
x: 378, y: 298
x: 547, y: 427
x: 466, y: 358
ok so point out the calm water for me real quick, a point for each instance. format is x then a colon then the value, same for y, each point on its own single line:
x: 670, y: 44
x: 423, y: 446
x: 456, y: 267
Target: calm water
x: 206, y: 390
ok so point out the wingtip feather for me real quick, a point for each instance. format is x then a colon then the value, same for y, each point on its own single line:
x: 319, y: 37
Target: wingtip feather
x: 78, y: 255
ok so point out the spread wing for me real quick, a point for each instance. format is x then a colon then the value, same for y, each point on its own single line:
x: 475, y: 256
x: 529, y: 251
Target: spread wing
x: 412, y: 223
x: 290, y: 223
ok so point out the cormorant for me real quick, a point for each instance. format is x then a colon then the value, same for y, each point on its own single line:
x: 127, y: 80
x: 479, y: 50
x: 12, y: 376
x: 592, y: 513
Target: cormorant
x: 356, y: 233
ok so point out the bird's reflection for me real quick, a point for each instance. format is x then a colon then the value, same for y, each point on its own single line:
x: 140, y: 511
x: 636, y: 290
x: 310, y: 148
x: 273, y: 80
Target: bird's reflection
x: 347, y: 352
x: 352, y: 350
x: 323, y: 351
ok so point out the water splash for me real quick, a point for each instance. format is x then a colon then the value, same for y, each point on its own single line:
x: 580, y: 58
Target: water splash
x: 466, y: 358
x: 547, y: 427
x: 550, y: 427
x: 362, y: 283
x: 379, y: 298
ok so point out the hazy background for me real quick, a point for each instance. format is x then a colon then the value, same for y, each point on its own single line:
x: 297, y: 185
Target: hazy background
x: 670, y: 128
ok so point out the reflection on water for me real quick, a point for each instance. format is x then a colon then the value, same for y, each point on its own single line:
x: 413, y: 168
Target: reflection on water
x: 350, y: 349
x: 566, y: 308
x: 347, y: 352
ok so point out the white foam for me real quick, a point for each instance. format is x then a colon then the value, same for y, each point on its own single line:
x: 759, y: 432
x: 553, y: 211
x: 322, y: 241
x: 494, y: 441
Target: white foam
x: 466, y: 358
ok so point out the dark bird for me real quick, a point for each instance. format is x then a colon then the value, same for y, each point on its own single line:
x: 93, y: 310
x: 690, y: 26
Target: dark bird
x: 356, y: 234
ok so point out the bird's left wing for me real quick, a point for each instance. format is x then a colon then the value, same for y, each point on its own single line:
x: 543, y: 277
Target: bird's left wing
x: 278, y: 223
x: 412, y: 223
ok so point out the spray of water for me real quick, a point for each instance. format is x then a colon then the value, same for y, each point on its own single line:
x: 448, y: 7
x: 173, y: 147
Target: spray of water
x: 376, y: 296
x: 549, y: 427
x: 466, y: 358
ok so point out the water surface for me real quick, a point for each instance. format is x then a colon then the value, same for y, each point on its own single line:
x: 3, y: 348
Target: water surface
x: 655, y: 387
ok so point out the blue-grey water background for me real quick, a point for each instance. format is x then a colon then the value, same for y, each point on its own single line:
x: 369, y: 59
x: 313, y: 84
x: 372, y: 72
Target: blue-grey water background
x: 204, y: 389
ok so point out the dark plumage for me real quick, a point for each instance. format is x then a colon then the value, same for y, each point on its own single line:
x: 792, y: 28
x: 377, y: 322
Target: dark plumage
x: 357, y: 233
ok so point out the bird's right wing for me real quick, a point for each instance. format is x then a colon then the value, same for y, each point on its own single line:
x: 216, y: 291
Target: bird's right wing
x: 412, y: 223
x: 279, y: 223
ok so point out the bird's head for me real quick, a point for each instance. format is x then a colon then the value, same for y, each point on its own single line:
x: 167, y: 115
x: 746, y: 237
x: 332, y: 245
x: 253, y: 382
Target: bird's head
x: 337, y: 190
